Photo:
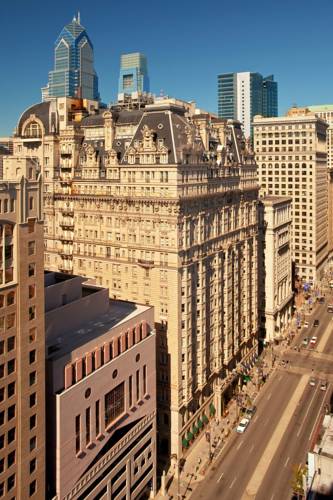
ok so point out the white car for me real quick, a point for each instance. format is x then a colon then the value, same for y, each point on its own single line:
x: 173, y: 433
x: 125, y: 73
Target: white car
x: 241, y: 427
x: 313, y: 341
x: 306, y: 324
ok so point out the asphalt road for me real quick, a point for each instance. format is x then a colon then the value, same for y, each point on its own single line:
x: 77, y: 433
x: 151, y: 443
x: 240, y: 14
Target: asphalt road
x: 241, y: 460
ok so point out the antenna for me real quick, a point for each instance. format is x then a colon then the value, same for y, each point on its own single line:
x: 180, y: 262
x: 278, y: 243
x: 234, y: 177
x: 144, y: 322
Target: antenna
x: 79, y: 17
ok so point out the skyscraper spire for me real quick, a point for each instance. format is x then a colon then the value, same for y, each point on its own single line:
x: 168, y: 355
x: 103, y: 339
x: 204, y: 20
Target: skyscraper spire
x: 73, y: 64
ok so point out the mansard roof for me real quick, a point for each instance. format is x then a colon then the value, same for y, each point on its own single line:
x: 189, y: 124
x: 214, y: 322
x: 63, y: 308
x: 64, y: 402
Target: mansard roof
x: 46, y: 112
x: 171, y: 127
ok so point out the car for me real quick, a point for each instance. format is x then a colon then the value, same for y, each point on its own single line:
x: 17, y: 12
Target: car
x: 323, y: 385
x: 313, y: 340
x: 316, y: 322
x: 312, y: 381
x: 321, y: 300
x: 241, y: 427
x: 306, y: 324
x: 248, y: 412
x: 305, y: 341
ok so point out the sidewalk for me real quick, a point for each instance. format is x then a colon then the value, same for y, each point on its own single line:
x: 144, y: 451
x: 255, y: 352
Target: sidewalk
x: 197, y: 461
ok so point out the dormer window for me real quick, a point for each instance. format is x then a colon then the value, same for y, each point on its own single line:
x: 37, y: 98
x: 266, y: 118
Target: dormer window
x: 33, y: 130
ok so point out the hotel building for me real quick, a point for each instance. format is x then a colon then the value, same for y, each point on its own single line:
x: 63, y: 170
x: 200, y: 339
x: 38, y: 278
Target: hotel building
x: 160, y: 205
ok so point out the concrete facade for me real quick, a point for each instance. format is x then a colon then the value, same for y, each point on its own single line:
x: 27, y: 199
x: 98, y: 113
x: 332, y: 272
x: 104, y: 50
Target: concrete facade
x: 292, y: 161
x: 319, y: 480
x: 22, y: 347
x: 159, y: 204
x: 101, y: 392
x: 275, y: 233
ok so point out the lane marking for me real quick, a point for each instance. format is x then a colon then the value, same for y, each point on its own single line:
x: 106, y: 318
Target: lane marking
x: 240, y: 444
x: 269, y: 396
x: 232, y: 483
x: 272, y: 496
x: 286, y: 462
x: 319, y: 412
x: 264, y: 463
x: 307, y: 411
x: 255, y: 418
x: 220, y: 477
x: 325, y: 338
x: 280, y: 377
x: 252, y: 447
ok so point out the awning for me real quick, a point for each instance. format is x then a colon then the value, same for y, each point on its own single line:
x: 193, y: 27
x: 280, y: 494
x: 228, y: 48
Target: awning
x: 189, y: 436
x: 205, y: 419
x: 185, y: 443
x: 212, y: 410
x: 200, y: 424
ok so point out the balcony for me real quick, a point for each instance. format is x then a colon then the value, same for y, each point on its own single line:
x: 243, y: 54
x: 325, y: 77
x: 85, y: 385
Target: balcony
x: 66, y: 237
x: 146, y: 263
x: 65, y: 181
x: 67, y: 223
x: 66, y: 267
x: 66, y: 253
x: 69, y: 212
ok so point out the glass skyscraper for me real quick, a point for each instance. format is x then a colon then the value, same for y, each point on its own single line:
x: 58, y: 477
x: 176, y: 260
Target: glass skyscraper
x: 73, y: 74
x: 241, y: 96
x: 133, y: 75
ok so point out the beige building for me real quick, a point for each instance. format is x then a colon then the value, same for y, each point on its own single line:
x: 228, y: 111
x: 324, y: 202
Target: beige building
x: 292, y: 161
x: 22, y: 347
x: 275, y: 235
x: 159, y: 204
x: 325, y: 112
x: 101, y: 393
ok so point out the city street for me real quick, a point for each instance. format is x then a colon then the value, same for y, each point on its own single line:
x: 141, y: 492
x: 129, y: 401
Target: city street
x: 259, y: 463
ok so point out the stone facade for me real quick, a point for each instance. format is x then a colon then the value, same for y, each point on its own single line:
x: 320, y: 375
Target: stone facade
x: 275, y: 238
x: 160, y: 205
x: 22, y: 344
x: 292, y: 161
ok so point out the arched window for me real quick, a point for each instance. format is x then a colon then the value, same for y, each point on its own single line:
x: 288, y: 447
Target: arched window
x: 33, y: 130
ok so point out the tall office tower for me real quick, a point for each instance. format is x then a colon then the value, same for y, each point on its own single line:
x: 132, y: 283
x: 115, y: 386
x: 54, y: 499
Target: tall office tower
x: 242, y: 96
x: 269, y: 96
x: 73, y: 74
x: 22, y: 347
x: 133, y: 75
x: 292, y: 161
x: 161, y: 208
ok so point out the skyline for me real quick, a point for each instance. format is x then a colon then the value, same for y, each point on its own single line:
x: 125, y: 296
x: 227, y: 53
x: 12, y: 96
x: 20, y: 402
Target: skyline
x: 178, y: 38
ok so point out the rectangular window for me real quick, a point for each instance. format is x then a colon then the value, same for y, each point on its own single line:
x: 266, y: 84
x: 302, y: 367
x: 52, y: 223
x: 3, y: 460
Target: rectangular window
x: 11, y: 389
x: 33, y: 464
x: 31, y: 247
x: 32, y: 399
x: 87, y: 426
x: 32, y: 334
x: 11, y: 412
x: 32, y: 421
x: 144, y: 380
x: 130, y: 390
x: 10, y: 344
x: 31, y: 269
x: 77, y: 433
x: 11, y: 482
x: 32, y: 313
x: 137, y: 385
x: 97, y: 417
x: 10, y: 320
x: 32, y: 291
x: 10, y: 366
x: 32, y: 488
x: 32, y: 378
x: 33, y: 443
x: 32, y: 356
x: 114, y: 404
x: 11, y: 435
x: 11, y: 458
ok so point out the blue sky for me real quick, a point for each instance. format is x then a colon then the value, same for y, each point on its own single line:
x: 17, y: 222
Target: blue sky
x: 187, y: 44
